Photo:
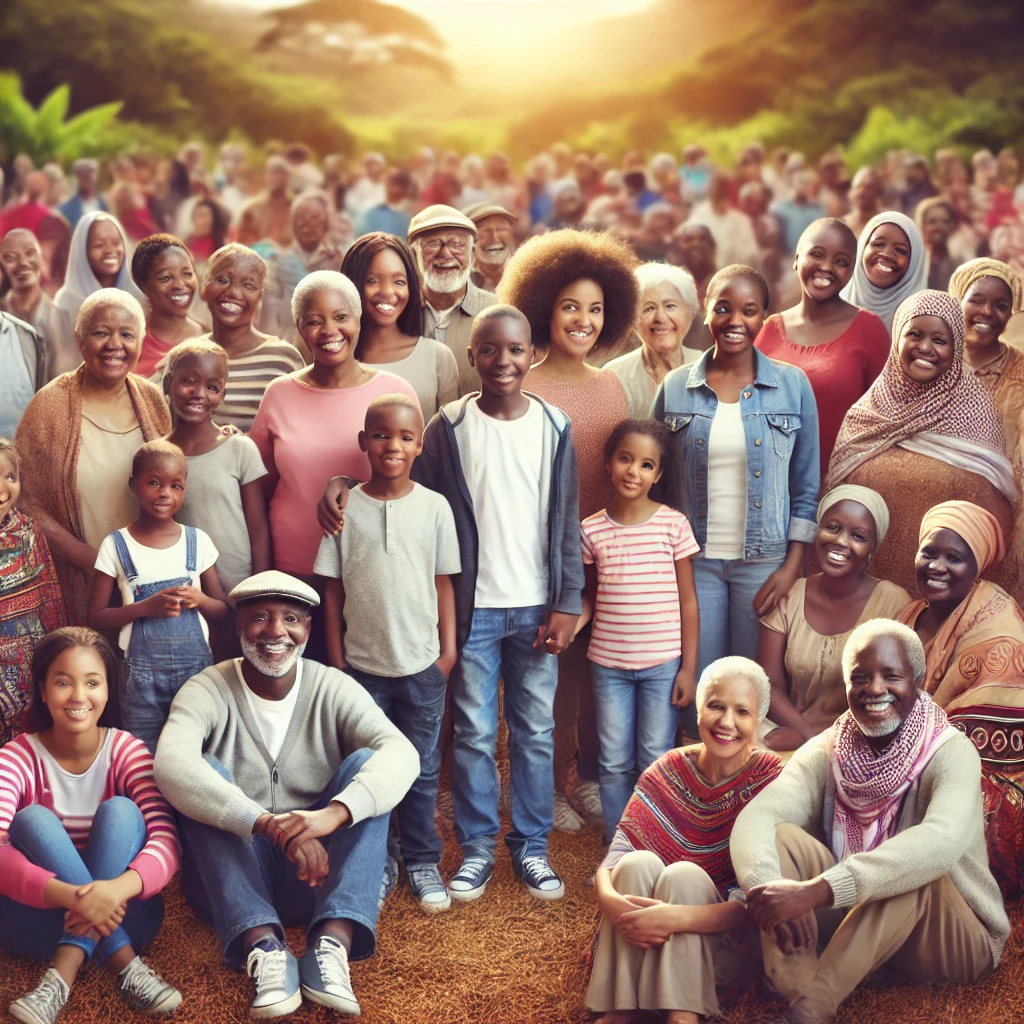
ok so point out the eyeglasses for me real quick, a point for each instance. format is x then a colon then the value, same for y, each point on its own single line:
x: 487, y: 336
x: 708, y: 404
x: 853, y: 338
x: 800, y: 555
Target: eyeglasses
x: 432, y: 246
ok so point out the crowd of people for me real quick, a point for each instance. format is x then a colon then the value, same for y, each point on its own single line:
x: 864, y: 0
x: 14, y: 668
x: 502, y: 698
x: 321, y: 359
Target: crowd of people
x: 706, y: 480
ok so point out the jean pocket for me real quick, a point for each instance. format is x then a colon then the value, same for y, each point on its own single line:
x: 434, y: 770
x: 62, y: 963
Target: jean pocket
x: 783, y: 428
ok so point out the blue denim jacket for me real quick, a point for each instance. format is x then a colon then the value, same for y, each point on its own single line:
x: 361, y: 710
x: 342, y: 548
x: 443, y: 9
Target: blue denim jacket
x: 780, y: 420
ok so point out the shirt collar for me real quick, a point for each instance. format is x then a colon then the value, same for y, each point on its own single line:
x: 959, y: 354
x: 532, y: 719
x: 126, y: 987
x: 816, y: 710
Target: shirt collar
x: 765, y: 374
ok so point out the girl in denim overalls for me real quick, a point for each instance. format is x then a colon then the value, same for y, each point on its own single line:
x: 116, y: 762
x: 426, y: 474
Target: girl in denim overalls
x: 157, y: 565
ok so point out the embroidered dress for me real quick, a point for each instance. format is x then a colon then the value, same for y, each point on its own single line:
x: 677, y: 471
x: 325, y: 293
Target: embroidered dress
x: 678, y: 815
x: 30, y: 606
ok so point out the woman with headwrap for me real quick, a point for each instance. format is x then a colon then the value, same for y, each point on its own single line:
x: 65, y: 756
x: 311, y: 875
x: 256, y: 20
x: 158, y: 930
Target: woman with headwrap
x: 803, y: 637
x: 892, y: 265
x: 925, y: 430
x: 98, y: 259
x: 973, y: 635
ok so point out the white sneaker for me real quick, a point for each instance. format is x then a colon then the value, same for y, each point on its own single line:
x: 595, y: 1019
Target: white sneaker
x: 566, y: 819
x: 144, y: 990
x: 276, y: 975
x: 44, y: 1003
x: 325, y: 976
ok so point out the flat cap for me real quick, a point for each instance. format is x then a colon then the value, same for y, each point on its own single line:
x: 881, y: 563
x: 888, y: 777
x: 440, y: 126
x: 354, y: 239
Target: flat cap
x: 478, y: 211
x: 439, y: 216
x: 273, y: 583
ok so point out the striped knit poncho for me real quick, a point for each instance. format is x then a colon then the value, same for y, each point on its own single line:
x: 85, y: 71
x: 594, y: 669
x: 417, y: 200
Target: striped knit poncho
x: 678, y: 815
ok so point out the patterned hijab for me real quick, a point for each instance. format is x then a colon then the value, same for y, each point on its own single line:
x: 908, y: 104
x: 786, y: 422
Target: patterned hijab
x: 885, y: 301
x: 974, y: 270
x: 955, y: 406
x: 867, y: 786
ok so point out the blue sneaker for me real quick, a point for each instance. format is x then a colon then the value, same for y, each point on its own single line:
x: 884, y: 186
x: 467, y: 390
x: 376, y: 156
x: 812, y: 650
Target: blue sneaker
x: 540, y: 879
x: 275, y: 973
x: 469, y: 882
x: 325, y: 978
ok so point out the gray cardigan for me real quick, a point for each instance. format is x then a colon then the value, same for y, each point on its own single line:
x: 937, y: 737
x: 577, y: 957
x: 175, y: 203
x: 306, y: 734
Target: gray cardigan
x: 333, y: 717
x: 940, y: 831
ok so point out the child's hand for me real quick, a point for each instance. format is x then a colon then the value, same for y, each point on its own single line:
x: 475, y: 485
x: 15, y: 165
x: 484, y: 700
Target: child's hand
x: 330, y: 511
x: 165, y: 604
x: 684, y: 689
x: 556, y: 633
x: 189, y: 596
x: 446, y: 662
x: 101, y: 904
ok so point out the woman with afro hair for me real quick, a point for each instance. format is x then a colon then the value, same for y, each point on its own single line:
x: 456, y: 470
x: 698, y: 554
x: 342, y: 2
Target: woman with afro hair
x: 578, y: 291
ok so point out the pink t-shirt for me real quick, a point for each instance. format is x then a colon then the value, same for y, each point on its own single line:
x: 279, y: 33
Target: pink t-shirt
x: 307, y: 435
x: 636, y: 615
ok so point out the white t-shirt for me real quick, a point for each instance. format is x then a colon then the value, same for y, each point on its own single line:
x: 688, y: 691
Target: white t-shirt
x: 727, y: 483
x: 503, y: 465
x: 154, y: 565
x: 272, y: 716
x: 76, y: 797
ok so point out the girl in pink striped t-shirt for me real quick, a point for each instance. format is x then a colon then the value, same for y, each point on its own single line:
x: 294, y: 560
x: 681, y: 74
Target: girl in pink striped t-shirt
x: 643, y: 646
x: 86, y: 839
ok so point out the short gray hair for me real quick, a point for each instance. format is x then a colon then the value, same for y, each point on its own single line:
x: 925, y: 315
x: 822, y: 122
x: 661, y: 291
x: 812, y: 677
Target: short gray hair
x: 650, y: 275
x: 102, y: 299
x: 729, y: 668
x: 322, y: 281
x: 875, y: 629
x: 311, y: 195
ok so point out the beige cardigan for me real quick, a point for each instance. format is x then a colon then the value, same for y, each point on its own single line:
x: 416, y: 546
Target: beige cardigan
x: 48, y: 440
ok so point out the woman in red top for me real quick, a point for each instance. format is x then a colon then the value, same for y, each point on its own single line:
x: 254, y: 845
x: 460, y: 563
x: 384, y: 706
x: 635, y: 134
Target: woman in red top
x: 841, y: 348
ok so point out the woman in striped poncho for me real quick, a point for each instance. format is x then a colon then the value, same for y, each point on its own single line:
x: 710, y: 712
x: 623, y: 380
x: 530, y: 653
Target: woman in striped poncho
x: 671, y: 926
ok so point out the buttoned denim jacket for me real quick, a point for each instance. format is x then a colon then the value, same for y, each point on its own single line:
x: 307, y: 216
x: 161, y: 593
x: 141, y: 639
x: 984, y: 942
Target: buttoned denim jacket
x: 780, y: 421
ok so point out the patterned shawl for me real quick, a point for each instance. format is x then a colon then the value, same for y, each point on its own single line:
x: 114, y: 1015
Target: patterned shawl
x: 883, y: 302
x: 954, y: 413
x: 867, y: 786
x: 28, y: 582
x: 677, y: 814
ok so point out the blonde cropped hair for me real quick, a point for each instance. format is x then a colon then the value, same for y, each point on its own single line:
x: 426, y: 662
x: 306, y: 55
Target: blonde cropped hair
x: 322, y: 281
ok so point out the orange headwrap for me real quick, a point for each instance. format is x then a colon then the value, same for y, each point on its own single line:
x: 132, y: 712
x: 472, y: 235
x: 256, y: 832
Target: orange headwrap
x: 979, y: 529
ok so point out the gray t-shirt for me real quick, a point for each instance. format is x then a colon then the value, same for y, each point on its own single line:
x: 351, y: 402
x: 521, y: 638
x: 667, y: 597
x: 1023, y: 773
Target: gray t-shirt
x: 387, y: 556
x: 213, y: 502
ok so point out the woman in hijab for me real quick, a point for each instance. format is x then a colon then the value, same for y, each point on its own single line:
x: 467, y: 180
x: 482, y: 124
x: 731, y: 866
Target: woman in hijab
x: 891, y: 265
x: 803, y: 637
x: 973, y: 635
x: 98, y: 259
x: 926, y: 429
x: 671, y: 927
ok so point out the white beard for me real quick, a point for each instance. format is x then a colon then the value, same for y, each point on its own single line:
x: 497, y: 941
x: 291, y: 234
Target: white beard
x: 252, y: 655
x: 493, y: 259
x: 445, y: 282
x: 886, y: 728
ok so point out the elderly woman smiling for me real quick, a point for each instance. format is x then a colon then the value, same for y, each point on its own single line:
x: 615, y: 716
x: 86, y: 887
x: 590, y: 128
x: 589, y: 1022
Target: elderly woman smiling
x: 307, y: 427
x: 670, y: 927
x: 78, y: 436
x: 668, y: 304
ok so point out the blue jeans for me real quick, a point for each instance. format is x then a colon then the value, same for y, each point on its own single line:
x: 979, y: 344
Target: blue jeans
x: 500, y: 646
x: 728, y: 622
x: 118, y: 834
x: 636, y: 724
x: 234, y: 885
x: 416, y: 705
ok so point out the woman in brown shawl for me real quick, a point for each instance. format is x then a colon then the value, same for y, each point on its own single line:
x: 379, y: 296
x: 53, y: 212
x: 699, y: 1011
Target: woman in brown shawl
x: 973, y: 635
x: 926, y: 429
x: 78, y: 436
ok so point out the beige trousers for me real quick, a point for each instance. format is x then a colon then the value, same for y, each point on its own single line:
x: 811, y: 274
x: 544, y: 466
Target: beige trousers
x: 929, y: 935
x: 681, y: 974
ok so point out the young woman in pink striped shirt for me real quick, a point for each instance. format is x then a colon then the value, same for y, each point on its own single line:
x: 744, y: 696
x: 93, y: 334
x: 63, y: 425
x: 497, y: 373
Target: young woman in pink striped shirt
x: 86, y: 839
x: 643, y: 646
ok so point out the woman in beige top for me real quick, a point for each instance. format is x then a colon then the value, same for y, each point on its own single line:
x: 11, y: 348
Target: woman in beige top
x: 802, y: 639
x: 78, y: 436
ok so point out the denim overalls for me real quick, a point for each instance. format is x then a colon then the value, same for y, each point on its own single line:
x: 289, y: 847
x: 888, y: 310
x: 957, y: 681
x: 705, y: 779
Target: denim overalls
x: 163, y: 653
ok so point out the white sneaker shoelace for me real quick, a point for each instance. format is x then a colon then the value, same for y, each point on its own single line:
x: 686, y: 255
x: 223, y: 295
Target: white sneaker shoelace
x: 471, y: 870
x: 537, y: 871
x: 268, y: 969
x: 332, y: 962
x: 141, y: 985
x: 47, y: 999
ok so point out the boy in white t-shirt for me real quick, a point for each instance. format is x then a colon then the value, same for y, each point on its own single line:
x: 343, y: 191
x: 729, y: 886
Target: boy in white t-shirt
x: 505, y: 462
x: 169, y: 587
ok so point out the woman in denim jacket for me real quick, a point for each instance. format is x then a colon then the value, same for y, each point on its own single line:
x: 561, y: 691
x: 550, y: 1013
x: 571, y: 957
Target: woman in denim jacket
x: 745, y: 469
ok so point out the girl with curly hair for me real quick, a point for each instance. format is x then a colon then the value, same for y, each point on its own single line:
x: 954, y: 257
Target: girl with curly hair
x: 578, y: 291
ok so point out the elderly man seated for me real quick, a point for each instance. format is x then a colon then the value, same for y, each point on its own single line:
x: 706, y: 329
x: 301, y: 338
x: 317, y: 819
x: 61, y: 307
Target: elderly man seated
x: 284, y: 772
x: 900, y: 876
x: 443, y: 240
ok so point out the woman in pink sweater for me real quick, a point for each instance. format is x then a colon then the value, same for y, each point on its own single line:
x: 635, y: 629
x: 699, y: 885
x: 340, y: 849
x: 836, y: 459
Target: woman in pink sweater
x: 578, y: 291
x: 86, y: 839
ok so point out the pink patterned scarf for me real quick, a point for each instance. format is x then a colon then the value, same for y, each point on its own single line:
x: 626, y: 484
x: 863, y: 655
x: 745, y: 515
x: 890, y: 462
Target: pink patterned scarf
x: 867, y: 786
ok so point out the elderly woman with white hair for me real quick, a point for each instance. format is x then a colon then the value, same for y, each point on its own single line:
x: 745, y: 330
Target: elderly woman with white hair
x: 668, y: 305
x: 308, y: 424
x: 78, y: 436
x: 672, y: 928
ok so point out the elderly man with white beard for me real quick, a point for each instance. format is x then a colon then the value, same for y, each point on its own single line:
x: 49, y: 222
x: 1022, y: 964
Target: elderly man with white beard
x: 443, y: 240
x: 495, y: 243
x: 869, y: 848
x: 284, y: 772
